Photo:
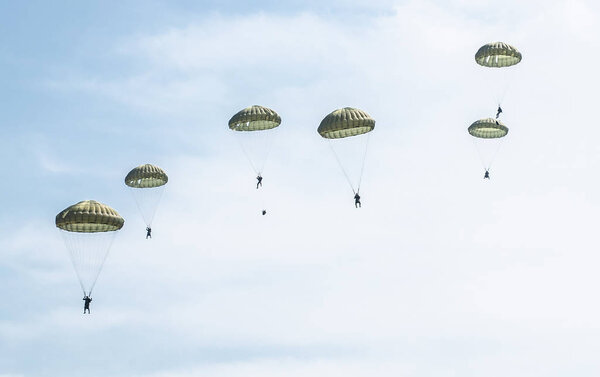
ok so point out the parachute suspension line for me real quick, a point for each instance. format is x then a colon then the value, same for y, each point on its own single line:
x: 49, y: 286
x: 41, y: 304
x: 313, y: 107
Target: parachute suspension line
x: 147, y: 202
x: 362, y: 167
x: 495, y: 153
x: 73, y: 245
x: 88, y: 256
x: 481, y: 159
x: 500, y: 99
x: 268, y: 151
x: 247, y: 156
x: 72, y: 257
x: 101, y: 266
x: 493, y: 156
x: 265, y: 145
x: 507, y: 80
x: 341, y: 166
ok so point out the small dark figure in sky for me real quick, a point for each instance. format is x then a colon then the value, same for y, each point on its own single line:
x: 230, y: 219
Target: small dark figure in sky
x: 258, y: 181
x: 148, y: 232
x: 86, y: 304
x: 264, y: 212
x: 498, y: 112
x: 357, y: 200
x: 487, y: 175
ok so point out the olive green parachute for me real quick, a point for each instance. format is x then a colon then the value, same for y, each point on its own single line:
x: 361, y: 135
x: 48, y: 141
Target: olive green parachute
x: 497, y: 55
x: 257, y: 126
x: 88, y: 229
x: 146, y: 176
x: 147, y: 183
x: 345, y: 122
x: 89, y: 216
x: 255, y: 118
x: 488, y: 128
x: 347, y: 131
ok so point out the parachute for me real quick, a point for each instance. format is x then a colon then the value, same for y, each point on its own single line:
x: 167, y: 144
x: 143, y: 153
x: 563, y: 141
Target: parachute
x: 488, y: 128
x: 147, y: 183
x: 493, y: 55
x: 497, y: 55
x: 253, y: 126
x: 488, y: 134
x: 88, y: 228
x: 348, y: 131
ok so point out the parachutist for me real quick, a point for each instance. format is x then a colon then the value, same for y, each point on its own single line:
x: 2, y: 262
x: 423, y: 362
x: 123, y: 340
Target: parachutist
x: 258, y: 181
x: 486, y: 175
x: 148, y: 232
x: 86, y: 304
x: 147, y: 183
x: 498, y: 112
x: 357, y: 200
x: 264, y: 212
x: 79, y: 222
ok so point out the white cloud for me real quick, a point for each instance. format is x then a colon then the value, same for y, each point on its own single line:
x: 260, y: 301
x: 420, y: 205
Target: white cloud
x: 439, y: 272
x: 293, y: 368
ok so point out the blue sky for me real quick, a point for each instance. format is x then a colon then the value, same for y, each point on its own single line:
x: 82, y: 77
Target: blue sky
x: 439, y: 274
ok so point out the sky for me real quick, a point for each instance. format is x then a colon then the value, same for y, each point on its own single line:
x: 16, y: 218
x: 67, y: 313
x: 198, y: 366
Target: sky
x: 440, y: 273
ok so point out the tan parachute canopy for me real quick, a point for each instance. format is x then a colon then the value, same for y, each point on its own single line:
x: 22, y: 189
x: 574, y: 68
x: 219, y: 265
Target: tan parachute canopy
x: 146, y: 176
x: 345, y: 122
x: 498, y: 55
x: 254, y: 118
x: 89, y: 216
x: 488, y: 128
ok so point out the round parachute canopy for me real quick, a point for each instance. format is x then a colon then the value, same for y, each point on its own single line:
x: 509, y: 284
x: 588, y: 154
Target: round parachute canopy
x: 488, y: 128
x: 345, y: 122
x: 254, y: 118
x: 497, y: 55
x: 89, y: 216
x: 146, y: 176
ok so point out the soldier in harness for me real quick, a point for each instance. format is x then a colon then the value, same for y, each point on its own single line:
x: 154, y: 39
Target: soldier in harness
x: 86, y: 304
x: 357, y: 200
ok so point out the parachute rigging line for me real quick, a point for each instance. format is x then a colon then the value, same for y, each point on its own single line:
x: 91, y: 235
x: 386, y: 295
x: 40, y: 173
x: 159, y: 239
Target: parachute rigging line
x: 362, y: 168
x: 247, y: 156
x: 155, y: 207
x: 507, y: 83
x: 482, y: 159
x: 348, y: 179
x: 269, y: 144
x: 501, y: 141
x: 86, y: 258
x: 341, y: 166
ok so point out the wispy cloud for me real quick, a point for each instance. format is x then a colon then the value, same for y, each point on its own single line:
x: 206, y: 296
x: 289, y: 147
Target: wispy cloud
x: 438, y: 274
